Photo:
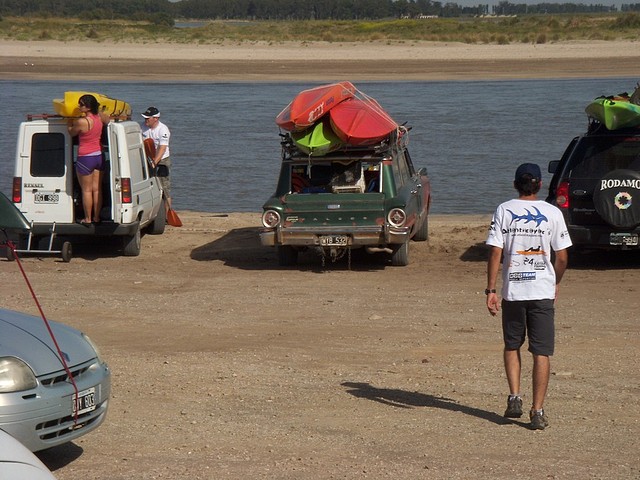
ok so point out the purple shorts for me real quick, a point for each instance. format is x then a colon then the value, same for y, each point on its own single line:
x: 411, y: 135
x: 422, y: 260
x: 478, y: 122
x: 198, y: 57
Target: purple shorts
x: 86, y: 164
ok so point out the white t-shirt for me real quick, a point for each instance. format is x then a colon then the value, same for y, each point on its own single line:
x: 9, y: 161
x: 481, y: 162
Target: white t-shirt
x: 160, y: 136
x: 526, y: 231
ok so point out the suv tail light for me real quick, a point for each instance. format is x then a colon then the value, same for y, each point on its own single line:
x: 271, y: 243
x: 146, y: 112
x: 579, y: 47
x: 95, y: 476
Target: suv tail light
x: 562, y: 195
x: 16, y: 190
x: 126, y: 190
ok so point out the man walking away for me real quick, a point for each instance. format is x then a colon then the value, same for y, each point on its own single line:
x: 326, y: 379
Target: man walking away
x: 523, y: 233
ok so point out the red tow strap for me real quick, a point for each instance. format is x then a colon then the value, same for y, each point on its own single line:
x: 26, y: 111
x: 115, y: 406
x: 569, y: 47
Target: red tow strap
x: 12, y: 246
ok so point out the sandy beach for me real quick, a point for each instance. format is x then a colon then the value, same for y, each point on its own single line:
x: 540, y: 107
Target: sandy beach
x: 226, y: 366
x: 316, y: 61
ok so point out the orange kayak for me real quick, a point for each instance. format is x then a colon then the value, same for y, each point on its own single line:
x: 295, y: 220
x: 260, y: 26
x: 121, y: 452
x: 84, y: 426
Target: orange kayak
x: 310, y: 105
x: 361, y: 121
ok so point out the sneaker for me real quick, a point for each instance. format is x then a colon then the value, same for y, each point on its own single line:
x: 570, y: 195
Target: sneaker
x: 514, y: 407
x: 538, y: 420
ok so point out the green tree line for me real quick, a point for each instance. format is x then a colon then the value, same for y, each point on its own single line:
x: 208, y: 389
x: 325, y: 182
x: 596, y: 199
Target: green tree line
x: 164, y: 11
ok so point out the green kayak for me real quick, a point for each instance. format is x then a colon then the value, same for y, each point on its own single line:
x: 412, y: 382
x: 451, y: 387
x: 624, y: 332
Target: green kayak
x: 317, y: 140
x: 614, y: 112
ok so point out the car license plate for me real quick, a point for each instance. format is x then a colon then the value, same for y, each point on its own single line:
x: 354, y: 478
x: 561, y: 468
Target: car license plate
x: 624, y: 239
x: 46, y: 198
x: 334, y: 240
x: 86, y: 401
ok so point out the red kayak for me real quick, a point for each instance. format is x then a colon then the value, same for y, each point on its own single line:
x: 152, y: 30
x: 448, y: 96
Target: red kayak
x: 361, y: 121
x: 309, y: 105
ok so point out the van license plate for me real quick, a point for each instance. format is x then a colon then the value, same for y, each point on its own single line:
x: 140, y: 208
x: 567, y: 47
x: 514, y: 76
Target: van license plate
x: 624, y: 239
x: 334, y: 240
x: 46, y: 198
x: 86, y: 401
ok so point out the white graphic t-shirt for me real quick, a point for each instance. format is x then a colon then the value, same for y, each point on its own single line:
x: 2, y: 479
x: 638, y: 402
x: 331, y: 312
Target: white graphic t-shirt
x: 527, y: 231
x: 160, y: 136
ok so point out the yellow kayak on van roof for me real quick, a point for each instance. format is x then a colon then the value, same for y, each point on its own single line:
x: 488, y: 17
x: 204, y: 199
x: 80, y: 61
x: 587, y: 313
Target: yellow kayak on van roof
x: 68, y: 106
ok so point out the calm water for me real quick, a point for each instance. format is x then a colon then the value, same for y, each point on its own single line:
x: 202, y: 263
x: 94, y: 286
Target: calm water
x: 225, y: 144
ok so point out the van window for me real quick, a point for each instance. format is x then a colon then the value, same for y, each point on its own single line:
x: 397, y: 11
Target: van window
x: 139, y: 171
x: 47, y: 155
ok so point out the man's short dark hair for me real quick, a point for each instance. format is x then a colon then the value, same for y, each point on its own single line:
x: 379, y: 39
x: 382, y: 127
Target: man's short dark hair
x: 527, y: 184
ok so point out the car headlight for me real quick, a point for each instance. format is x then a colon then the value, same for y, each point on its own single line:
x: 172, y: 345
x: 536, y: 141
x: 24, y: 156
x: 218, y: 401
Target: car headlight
x: 94, y: 346
x: 270, y: 219
x: 15, y: 375
x: 397, y: 217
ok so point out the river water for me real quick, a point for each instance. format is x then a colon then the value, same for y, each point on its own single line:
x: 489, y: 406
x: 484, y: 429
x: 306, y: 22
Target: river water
x: 225, y: 146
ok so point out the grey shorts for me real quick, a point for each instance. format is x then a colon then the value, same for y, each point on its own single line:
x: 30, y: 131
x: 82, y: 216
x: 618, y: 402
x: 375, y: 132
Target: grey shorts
x: 529, y: 318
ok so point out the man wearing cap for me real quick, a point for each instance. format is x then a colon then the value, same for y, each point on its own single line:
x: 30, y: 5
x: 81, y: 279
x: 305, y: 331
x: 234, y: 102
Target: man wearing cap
x: 159, y: 133
x: 523, y: 233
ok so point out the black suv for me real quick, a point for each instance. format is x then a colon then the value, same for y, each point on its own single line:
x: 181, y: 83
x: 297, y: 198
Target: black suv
x: 596, y: 185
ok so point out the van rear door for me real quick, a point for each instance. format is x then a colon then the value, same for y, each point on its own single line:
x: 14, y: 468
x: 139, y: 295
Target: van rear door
x: 45, y: 168
x: 132, y: 168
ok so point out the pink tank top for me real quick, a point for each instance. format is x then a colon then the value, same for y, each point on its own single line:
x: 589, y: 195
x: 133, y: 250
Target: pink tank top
x: 89, y: 142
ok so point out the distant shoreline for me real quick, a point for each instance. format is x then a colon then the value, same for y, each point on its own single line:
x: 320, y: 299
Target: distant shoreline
x: 320, y: 61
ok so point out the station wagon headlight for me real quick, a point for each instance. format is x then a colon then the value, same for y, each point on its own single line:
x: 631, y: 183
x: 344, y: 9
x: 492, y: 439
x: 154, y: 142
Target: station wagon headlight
x: 270, y: 219
x: 397, y: 217
x: 15, y: 375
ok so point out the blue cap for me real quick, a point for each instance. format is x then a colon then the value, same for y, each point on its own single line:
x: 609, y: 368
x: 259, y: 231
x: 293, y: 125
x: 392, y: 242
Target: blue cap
x: 528, y: 169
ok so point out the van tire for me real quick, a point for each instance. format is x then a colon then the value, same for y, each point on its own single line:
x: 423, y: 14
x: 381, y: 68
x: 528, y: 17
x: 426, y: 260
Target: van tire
x: 66, y: 252
x: 157, y: 226
x: 131, y: 244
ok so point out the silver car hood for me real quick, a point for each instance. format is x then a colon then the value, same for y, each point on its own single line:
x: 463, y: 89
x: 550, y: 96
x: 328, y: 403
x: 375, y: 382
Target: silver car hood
x: 27, y: 338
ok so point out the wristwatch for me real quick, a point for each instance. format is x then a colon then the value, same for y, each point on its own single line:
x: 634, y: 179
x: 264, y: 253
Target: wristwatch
x: 487, y: 291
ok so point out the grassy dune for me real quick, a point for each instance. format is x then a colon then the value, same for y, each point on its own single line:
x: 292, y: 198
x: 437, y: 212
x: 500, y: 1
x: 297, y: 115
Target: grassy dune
x: 525, y: 29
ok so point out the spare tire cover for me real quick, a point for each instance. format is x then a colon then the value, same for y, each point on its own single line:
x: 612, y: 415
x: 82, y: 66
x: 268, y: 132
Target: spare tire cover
x: 617, y: 198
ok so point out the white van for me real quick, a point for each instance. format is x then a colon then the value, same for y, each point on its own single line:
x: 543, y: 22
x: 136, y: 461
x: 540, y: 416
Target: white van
x: 46, y: 189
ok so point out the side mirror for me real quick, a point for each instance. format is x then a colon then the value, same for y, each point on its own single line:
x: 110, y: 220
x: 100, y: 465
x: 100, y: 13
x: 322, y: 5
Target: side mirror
x: 553, y: 166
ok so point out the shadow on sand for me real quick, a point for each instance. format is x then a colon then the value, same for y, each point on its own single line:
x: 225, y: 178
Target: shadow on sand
x: 404, y: 399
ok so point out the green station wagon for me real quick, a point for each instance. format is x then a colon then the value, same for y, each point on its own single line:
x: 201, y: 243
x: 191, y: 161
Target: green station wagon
x: 368, y: 197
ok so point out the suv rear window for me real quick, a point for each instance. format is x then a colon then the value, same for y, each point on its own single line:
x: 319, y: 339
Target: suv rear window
x: 47, y: 155
x: 597, y: 156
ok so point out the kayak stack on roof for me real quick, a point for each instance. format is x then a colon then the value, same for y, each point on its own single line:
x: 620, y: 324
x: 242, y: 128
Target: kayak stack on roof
x: 616, y: 111
x: 329, y: 117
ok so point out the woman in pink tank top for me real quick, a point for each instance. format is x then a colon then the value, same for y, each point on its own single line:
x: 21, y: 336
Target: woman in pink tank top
x: 89, y: 164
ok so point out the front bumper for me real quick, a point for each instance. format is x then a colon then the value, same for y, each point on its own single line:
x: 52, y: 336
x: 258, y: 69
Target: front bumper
x: 43, y: 417
x: 366, y: 236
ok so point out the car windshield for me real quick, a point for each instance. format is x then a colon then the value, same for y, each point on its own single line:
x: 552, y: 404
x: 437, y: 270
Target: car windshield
x: 600, y: 155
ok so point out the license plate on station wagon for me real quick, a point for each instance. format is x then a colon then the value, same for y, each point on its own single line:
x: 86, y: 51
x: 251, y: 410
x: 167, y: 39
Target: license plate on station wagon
x: 624, y: 239
x: 46, y: 198
x: 334, y: 240
x: 86, y: 401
